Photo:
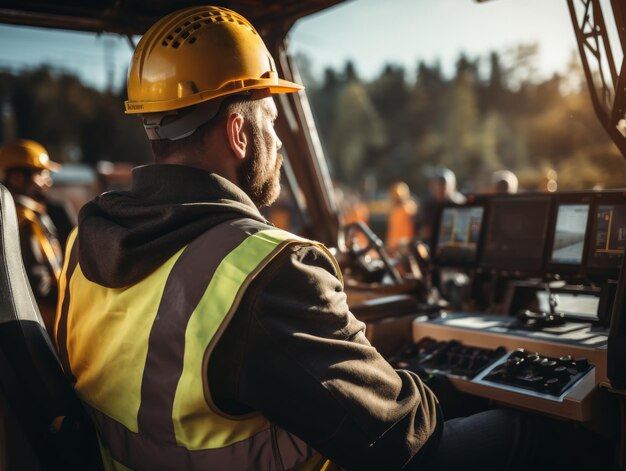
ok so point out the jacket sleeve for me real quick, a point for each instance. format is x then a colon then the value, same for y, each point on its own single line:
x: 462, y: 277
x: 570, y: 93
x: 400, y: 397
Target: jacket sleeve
x: 38, y: 271
x: 295, y: 352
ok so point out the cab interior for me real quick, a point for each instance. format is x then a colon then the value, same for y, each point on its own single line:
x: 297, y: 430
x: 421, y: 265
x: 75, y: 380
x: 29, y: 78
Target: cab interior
x: 513, y: 301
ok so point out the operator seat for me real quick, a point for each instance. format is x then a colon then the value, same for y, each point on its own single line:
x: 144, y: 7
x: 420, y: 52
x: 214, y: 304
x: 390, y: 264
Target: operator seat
x: 43, y: 425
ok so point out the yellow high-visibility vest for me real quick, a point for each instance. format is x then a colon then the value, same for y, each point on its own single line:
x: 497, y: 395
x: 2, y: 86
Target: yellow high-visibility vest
x: 138, y: 357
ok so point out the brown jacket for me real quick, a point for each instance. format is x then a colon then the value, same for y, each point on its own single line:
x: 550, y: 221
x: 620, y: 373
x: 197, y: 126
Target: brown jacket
x: 293, y: 350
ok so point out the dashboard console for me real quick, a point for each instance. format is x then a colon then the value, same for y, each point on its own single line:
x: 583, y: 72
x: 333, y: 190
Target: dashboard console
x: 550, y: 265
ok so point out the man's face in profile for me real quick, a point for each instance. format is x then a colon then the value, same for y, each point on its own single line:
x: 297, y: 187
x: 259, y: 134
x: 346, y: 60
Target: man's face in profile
x: 259, y: 174
x: 28, y: 181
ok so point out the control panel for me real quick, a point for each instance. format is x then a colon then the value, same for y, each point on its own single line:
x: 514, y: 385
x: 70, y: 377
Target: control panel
x: 526, y: 286
x: 538, y: 373
x: 529, y: 328
x: 446, y: 357
x: 484, y: 355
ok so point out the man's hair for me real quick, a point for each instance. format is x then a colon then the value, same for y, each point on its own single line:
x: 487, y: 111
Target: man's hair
x: 188, y: 146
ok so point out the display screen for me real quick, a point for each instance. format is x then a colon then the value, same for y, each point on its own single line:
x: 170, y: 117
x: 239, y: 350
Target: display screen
x: 459, y: 233
x: 582, y: 306
x: 608, y: 238
x: 516, y: 234
x: 569, y: 237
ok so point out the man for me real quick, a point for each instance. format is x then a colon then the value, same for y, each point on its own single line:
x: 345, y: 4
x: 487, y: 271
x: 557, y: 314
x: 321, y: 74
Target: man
x: 441, y: 189
x: 27, y: 168
x: 199, y: 336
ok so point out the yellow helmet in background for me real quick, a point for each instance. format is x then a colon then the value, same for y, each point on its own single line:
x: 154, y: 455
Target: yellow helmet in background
x: 198, y: 54
x: 28, y: 154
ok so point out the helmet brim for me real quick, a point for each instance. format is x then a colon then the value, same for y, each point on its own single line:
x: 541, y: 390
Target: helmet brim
x: 274, y: 85
x: 53, y: 166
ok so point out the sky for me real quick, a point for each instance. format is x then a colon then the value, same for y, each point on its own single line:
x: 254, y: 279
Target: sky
x: 85, y: 54
x: 370, y: 32
x: 374, y: 32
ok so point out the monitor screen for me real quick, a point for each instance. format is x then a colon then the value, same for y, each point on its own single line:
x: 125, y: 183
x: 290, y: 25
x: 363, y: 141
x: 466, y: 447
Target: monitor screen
x: 608, y: 237
x: 569, y: 236
x: 459, y: 233
x: 516, y: 234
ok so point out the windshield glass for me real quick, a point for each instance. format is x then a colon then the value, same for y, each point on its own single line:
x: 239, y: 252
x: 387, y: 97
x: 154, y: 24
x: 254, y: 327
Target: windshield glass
x: 452, y: 92
x: 440, y: 96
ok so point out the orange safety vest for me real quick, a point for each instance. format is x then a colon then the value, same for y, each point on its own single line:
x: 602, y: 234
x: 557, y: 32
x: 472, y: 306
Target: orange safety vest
x: 401, y: 228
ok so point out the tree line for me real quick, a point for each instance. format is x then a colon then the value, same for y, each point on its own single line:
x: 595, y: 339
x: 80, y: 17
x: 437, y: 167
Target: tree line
x: 76, y: 123
x: 392, y: 128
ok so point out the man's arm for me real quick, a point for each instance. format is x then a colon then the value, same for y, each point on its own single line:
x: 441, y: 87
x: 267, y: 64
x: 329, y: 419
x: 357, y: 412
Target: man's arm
x: 39, y: 273
x: 295, y: 352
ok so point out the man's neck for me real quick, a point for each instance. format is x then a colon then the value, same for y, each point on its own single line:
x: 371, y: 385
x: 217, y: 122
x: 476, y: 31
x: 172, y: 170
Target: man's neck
x: 208, y: 165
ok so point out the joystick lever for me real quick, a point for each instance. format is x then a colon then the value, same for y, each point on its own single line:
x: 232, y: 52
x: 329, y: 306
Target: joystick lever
x: 553, y: 301
x: 543, y: 319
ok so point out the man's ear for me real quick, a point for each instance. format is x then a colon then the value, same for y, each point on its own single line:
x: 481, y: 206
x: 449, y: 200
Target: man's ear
x: 237, y: 137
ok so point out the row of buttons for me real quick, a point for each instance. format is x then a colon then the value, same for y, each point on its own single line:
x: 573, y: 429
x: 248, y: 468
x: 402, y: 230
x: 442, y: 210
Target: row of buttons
x: 551, y: 375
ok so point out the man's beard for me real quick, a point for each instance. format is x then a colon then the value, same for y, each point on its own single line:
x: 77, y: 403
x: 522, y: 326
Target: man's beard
x: 260, y: 183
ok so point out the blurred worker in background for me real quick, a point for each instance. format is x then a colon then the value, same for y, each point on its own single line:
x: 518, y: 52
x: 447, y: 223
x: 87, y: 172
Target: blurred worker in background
x: 27, y: 168
x: 353, y: 207
x: 401, y: 222
x: 503, y: 182
x: 202, y: 337
x: 442, y: 189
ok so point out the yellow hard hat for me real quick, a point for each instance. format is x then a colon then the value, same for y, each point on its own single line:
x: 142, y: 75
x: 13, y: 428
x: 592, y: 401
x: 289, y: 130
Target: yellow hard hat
x: 26, y: 153
x: 199, y: 54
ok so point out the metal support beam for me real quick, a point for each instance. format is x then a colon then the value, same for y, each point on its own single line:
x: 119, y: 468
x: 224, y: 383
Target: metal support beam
x: 297, y: 131
x: 606, y: 87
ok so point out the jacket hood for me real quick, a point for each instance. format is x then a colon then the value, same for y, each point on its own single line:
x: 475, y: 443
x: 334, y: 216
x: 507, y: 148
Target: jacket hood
x: 124, y: 236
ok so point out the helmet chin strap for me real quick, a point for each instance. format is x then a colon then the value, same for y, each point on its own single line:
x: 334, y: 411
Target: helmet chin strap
x: 184, y: 126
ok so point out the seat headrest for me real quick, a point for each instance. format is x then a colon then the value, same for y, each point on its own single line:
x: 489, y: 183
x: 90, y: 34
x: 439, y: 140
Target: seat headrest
x: 16, y: 297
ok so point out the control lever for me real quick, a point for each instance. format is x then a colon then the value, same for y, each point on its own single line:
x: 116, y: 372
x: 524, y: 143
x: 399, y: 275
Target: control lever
x: 348, y: 244
x: 543, y: 319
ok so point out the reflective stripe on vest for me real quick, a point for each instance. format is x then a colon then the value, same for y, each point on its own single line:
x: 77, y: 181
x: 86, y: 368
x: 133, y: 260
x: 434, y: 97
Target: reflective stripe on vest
x: 139, y: 356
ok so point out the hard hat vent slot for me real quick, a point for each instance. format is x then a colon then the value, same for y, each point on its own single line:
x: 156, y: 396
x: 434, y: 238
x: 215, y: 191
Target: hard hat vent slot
x: 185, y: 31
